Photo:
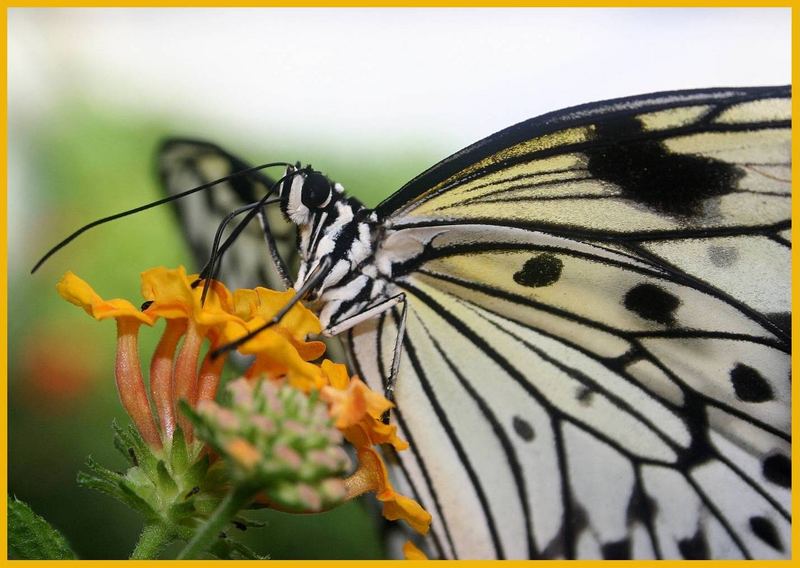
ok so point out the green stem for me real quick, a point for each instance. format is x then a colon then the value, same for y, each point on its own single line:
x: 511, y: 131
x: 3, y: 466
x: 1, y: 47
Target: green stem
x: 154, y: 537
x: 207, y: 535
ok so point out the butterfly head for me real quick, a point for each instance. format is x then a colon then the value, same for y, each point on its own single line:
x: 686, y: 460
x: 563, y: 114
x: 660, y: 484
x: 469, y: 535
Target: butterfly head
x: 332, y: 227
x: 306, y: 193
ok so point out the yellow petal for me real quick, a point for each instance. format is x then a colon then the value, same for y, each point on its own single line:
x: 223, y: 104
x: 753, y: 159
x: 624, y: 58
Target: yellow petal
x: 395, y: 506
x: 263, y: 303
x: 172, y: 296
x: 411, y: 552
x: 168, y: 290
x: 335, y: 374
x: 78, y: 292
x: 276, y: 356
x: 408, y: 510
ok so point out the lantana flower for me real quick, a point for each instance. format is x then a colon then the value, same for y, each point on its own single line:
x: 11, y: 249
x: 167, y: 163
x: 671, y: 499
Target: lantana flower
x: 285, y: 358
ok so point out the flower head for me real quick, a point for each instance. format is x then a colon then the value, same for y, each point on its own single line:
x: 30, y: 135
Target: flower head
x: 276, y: 438
x: 283, y: 428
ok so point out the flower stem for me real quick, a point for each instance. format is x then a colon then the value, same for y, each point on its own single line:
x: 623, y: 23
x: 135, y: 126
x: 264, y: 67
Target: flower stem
x: 154, y: 537
x: 206, y: 535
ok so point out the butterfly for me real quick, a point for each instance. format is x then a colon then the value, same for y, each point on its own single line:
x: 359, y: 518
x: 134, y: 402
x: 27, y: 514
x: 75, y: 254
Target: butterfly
x: 583, y: 319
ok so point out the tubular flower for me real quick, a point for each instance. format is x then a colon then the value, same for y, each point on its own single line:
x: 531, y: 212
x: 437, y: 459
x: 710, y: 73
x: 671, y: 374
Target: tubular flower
x: 174, y: 371
x: 130, y: 384
x: 282, y: 431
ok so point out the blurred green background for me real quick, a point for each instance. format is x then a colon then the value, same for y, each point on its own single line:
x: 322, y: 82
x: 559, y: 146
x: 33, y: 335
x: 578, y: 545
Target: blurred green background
x: 90, y: 161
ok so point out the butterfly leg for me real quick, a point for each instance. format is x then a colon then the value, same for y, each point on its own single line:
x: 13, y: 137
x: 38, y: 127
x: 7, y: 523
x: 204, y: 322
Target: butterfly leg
x: 369, y: 313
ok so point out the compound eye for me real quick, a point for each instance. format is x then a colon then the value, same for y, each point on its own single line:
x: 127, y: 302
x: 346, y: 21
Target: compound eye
x: 316, y: 190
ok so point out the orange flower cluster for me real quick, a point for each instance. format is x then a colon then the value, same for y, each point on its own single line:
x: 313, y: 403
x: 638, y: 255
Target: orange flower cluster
x: 223, y: 318
x: 280, y: 352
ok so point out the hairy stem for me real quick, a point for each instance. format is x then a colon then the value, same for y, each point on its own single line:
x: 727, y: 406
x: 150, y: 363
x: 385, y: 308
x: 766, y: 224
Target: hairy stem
x: 153, y: 539
x: 207, y: 534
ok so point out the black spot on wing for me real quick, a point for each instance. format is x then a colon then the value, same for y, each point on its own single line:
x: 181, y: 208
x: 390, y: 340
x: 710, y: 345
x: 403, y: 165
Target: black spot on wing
x: 652, y: 303
x: 617, y: 550
x: 723, y: 256
x: 694, y: 548
x: 541, y: 270
x: 523, y: 428
x: 749, y: 385
x: 777, y: 468
x: 648, y: 173
x: 584, y: 395
x: 763, y: 528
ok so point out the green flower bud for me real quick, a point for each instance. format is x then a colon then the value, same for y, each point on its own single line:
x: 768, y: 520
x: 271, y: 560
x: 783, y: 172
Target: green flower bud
x: 279, y: 439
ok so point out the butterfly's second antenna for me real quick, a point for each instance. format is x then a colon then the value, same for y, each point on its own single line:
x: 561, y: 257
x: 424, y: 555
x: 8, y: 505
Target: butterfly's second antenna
x: 156, y: 203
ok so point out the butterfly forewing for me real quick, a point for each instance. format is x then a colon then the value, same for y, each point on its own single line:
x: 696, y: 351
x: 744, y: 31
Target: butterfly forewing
x: 597, y: 340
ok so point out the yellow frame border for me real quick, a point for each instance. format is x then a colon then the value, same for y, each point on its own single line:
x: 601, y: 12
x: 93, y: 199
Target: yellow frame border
x: 364, y: 4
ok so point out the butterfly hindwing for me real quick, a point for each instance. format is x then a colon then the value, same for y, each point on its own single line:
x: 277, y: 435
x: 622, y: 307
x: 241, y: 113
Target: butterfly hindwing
x: 184, y: 164
x: 584, y: 421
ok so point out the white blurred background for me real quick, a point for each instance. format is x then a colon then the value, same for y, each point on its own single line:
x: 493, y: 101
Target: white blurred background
x: 375, y: 75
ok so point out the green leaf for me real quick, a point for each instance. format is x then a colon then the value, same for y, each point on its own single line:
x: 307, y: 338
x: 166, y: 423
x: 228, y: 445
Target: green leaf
x: 229, y: 549
x: 136, y: 451
x: 179, y: 456
x: 101, y: 479
x: 198, y: 471
x: 166, y: 484
x: 124, y: 444
x: 133, y: 500
x: 181, y: 510
x: 30, y: 537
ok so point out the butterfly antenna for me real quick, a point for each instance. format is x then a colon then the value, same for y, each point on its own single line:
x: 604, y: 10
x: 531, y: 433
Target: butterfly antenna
x: 150, y: 205
x: 216, y: 250
x: 211, y: 268
x: 313, y: 279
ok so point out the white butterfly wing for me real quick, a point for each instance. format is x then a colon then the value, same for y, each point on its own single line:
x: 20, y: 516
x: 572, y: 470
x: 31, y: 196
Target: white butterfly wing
x: 596, y: 362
